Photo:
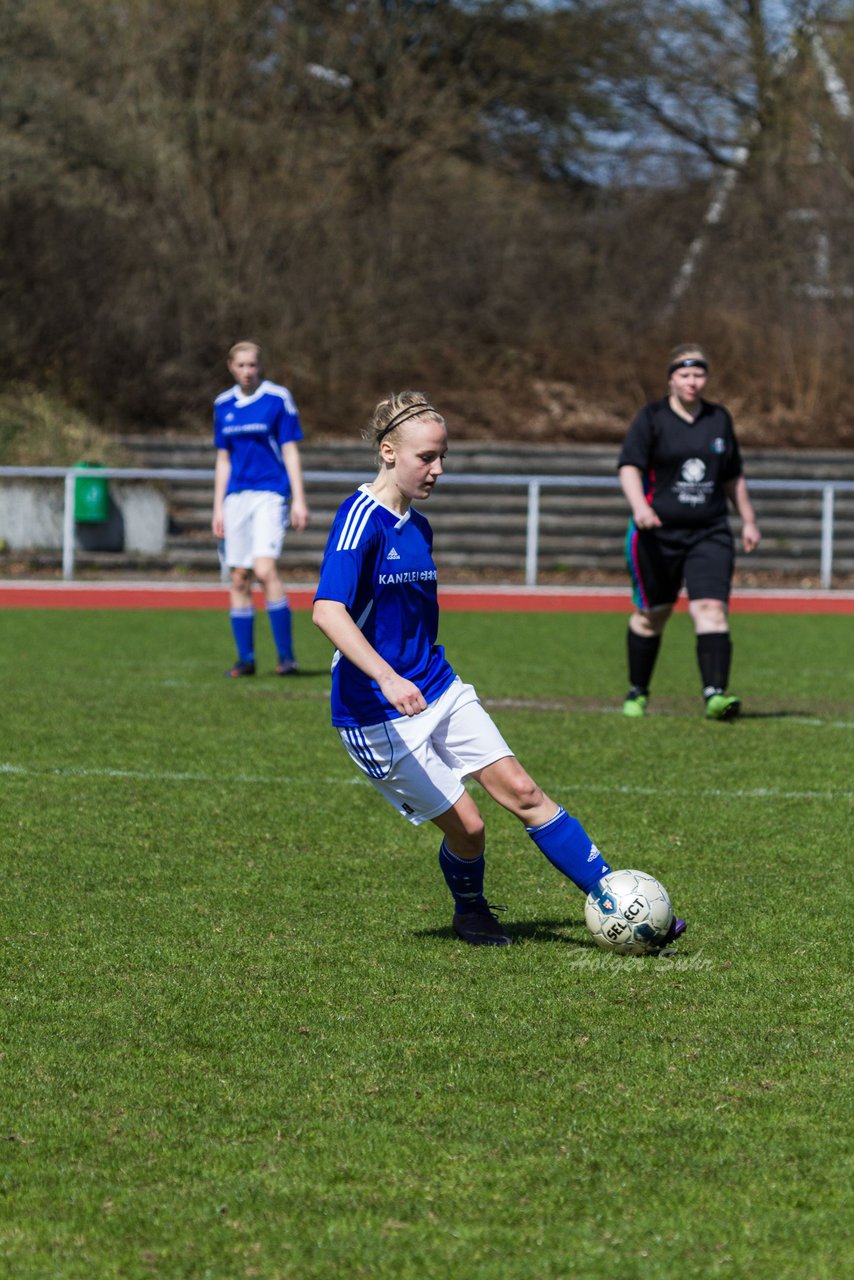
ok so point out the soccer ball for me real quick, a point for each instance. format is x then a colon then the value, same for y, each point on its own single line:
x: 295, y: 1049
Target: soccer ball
x: 628, y: 912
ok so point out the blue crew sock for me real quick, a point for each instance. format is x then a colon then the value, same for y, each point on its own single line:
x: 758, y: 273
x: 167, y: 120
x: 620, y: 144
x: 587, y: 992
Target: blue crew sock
x: 464, y: 878
x: 279, y: 613
x: 568, y: 847
x: 243, y: 630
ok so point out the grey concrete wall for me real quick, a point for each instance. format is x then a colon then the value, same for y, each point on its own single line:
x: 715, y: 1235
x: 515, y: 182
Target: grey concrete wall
x: 31, y: 517
x: 31, y: 514
x: 146, y: 515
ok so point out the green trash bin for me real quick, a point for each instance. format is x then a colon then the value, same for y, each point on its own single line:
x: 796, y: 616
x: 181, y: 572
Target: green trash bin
x: 91, y: 499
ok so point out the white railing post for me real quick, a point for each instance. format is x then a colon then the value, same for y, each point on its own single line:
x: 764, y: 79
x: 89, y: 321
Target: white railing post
x: 532, y: 535
x: 827, y: 496
x: 68, y: 528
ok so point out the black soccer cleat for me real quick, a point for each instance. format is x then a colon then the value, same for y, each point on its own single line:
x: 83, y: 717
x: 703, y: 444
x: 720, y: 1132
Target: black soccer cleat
x: 480, y: 928
x: 240, y: 669
x: 286, y: 667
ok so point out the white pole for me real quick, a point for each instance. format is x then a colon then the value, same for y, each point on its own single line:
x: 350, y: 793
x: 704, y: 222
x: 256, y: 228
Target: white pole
x: 827, y: 495
x: 722, y: 190
x: 533, y: 534
x: 833, y: 83
x: 714, y: 213
x: 68, y: 528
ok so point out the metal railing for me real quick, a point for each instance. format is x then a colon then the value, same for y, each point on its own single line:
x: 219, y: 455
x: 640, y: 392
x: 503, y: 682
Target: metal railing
x: 533, y: 484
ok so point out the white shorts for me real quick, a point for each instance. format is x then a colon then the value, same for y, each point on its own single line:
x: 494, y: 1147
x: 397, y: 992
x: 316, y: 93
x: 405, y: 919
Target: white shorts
x: 419, y: 762
x: 255, y: 523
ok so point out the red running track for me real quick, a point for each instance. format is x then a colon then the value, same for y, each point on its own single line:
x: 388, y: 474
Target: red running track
x: 92, y: 595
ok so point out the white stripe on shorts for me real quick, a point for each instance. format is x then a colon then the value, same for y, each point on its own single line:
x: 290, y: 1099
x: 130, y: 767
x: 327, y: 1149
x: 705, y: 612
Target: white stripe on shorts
x: 361, y: 751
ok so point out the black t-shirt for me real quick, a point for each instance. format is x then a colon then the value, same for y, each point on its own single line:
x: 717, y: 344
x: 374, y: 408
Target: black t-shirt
x: 685, y: 465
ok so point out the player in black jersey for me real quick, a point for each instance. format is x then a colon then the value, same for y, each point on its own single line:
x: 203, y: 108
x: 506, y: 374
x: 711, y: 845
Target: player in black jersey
x: 679, y: 467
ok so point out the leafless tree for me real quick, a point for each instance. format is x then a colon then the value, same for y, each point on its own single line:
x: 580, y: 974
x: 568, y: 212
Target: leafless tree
x: 474, y: 195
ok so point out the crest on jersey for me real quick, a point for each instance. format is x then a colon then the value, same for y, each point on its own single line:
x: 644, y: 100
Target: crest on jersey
x: 693, y: 470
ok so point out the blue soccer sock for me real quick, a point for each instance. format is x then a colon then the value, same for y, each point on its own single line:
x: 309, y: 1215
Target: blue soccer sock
x: 464, y: 878
x: 243, y: 630
x: 568, y: 847
x: 279, y: 613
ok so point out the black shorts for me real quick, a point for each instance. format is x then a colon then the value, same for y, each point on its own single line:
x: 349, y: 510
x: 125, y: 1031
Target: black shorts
x: 660, y: 560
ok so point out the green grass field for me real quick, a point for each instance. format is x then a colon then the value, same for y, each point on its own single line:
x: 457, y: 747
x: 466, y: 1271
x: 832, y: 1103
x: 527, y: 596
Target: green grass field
x: 233, y: 1047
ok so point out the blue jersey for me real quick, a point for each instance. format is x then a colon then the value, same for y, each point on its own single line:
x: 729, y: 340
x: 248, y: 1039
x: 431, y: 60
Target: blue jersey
x: 253, y: 430
x: 380, y: 565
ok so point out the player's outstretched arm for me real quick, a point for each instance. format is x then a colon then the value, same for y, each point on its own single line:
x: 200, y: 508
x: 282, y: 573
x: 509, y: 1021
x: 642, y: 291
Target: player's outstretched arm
x: 332, y: 618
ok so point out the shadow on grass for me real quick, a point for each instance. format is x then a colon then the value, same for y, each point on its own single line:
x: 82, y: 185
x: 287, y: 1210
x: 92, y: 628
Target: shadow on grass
x: 529, y: 931
x: 774, y: 715
x: 294, y: 677
x: 295, y: 682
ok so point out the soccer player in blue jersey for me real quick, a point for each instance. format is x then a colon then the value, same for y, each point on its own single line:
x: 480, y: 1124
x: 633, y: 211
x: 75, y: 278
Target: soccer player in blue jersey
x: 407, y: 720
x: 258, y: 491
x: 680, y: 466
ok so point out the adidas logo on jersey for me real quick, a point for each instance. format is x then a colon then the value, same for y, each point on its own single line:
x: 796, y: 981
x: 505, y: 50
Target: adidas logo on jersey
x: 392, y: 555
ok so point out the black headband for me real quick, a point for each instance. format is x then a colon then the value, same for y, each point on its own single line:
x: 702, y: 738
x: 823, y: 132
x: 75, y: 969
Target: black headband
x: 689, y: 362
x: 410, y: 411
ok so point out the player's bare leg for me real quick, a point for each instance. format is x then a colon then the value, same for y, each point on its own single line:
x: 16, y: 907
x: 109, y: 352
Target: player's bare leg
x: 515, y: 790
x: 240, y: 592
x: 267, y: 572
x: 557, y: 835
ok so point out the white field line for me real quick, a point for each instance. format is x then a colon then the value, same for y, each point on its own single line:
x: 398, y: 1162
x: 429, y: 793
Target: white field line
x: 725, y: 793
x: 141, y: 775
